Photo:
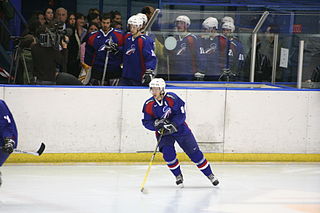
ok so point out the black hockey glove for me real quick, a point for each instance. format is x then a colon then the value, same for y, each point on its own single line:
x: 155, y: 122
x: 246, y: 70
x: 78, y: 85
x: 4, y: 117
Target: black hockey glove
x: 112, y: 47
x: 159, y: 123
x: 8, y: 145
x: 168, y: 128
x: 147, y: 77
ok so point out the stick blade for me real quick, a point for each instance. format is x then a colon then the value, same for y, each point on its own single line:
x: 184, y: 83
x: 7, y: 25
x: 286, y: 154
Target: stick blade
x: 41, y: 149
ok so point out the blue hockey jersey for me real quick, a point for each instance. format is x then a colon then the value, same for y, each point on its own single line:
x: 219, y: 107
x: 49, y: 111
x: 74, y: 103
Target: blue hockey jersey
x: 8, y: 128
x: 229, y: 54
x: 154, y: 109
x: 96, y: 52
x: 138, y: 57
x: 185, y: 57
x: 208, y: 58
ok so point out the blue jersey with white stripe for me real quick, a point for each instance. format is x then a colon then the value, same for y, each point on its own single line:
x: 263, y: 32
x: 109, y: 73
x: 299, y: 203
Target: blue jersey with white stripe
x: 154, y: 109
x: 138, y: 57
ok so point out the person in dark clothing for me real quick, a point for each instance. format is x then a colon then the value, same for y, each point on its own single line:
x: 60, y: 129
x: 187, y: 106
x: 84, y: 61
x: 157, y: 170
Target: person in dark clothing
x: 76, y: 38
x: 45, y: 60
x: 6, y: 13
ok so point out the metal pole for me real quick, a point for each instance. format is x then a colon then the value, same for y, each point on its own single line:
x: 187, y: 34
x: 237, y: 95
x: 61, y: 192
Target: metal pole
x: 253, y: 56
x: 254, y: 44
x: 300, y: 64
x: 275, y: 58
x: 261, y: 21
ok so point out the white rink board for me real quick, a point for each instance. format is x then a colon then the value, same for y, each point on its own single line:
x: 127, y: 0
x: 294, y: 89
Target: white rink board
x: 84, y: 120
x: 206, y: 114
x: 313, y: 133
x: 266, y: 122
x: 67, y: 119
x: 134, y: 137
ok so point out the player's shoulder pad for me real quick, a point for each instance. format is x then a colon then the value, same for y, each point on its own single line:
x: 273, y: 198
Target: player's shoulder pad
x: 171, y: 98
x: 171, y: 95
x: 149, y: 101
x: 193, y: 36
x: 143, y: 37
x: 148, y: 106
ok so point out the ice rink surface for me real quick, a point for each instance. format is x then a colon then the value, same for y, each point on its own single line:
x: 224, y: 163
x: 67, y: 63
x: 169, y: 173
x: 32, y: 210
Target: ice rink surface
x: 104, y: 188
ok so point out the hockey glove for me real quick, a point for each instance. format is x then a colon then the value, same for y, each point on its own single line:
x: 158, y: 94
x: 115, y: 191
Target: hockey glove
x: 112, y: 47
x: 168, y: 128
x: 159, y: 123
x: 8, y: 145
x: 147, y: 77
x: 199, y: 76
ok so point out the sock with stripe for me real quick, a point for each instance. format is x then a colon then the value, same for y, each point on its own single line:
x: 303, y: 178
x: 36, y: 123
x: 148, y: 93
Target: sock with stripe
x: 201, y: 162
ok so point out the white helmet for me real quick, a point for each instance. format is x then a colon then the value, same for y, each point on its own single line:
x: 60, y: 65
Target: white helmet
x: 184, y: 19
x: 144, y: 17
x: 157, y: 82
x: 210, y: 22
x: 227, y: 19
x: 135, y: 20
x: 229, y: 26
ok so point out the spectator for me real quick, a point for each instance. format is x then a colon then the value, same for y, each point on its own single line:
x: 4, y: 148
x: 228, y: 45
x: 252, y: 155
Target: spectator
x: 148, y: 10
x: 265, y: 52
x: 80, y: 23
x: 74, y: 46
x: 139, y: 60
x: 116, y: 16
x: 263, y: 66
x: 6, y: 13
x: 37, y: 19
x: 92, y: 28
x: 45, y: 60
x: 85, y: 73
x: 94, y: 10
x: 94, y: 18
x: 107, y: 44
x: 184, y: 58
x: 48, y: 15
x: 61, y: 16
x: 71, y: 20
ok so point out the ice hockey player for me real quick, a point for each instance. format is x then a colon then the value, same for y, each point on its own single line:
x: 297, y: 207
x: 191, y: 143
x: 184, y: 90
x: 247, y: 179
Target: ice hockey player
x: 8, y: 134
x: 165, y: 114
x: 229, y: 54
x: 107, y: 44
x: 185, y: 56
x: 207, y: 69
x: 139, y: 59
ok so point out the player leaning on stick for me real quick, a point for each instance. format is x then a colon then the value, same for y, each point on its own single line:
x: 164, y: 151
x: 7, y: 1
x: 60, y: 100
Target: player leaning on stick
x: 173, y: 127
x: 8, y: 133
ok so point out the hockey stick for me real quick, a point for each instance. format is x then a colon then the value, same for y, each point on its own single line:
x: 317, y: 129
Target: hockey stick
x: 150, y: 164
x: 165, y: 115
x: 105, y: 64
x: 37, y: 153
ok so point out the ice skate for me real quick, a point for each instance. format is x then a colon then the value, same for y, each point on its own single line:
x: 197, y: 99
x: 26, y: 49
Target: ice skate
x: 179, y: 181
x: 213, y: 179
